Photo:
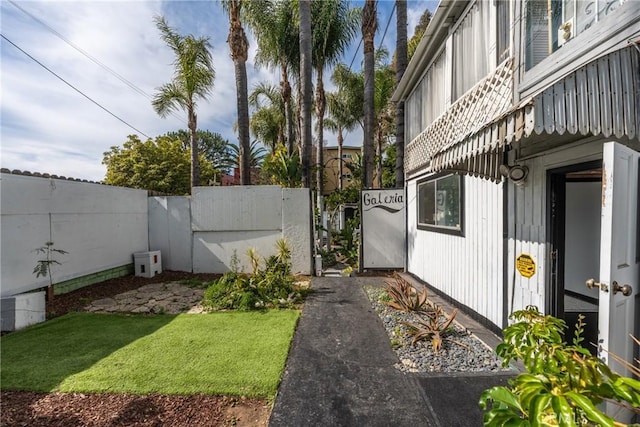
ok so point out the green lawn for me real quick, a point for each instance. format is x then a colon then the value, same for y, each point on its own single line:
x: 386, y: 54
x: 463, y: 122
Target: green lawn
x: 231, y: 353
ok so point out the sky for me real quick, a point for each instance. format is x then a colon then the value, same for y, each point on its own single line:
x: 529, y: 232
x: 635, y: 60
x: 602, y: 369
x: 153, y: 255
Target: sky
x: 111, y: 57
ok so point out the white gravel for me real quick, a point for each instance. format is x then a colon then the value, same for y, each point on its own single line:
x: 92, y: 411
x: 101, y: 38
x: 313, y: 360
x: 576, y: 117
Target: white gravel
x: 461, y: 351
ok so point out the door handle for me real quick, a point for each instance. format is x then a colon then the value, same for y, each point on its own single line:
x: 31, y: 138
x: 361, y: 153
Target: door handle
x: 625, y: 289
x: 591, y: 283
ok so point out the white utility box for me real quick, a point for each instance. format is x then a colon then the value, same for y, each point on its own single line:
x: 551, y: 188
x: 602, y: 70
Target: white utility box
x: 147, y: 264
x: 20, y: 311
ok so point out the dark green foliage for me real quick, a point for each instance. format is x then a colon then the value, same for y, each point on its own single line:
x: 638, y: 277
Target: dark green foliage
x: 328, y: 257
x: 271, y: 287
x: 346, y: 241
x: 563, y: 384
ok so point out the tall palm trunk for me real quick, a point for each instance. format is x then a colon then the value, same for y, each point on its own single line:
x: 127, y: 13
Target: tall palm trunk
x: 369, y: 25
x: 195, y: 161
x: 305, y: 84
x: 401, y: 66
x: 320, y: 110
x: 239, y: 48
x: 285, y: 89
x: 379, y: 157
x: 340, y: 142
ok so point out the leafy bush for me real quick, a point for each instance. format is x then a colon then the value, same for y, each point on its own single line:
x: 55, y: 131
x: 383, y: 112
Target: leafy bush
x: 272, y: 287
x: 563, y: 384
x: 328, y: 257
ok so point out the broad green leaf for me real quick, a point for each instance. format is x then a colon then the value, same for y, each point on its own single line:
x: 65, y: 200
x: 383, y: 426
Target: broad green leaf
x: 590, y: 410
x: 537, y: 409
x: 500, y: 395
x: 564, y: 412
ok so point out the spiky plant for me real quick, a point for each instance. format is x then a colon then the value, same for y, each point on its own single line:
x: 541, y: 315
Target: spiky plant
x: 405, y: 297
x: 283, y: 252
x: 432, y: 328
x: 254, y: 257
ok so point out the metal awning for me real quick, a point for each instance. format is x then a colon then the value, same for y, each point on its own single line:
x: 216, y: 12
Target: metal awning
x: 599, y: 99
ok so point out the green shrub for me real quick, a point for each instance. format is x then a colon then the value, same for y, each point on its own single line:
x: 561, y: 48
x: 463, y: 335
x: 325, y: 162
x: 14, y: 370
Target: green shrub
x: 563, y: 384
x: 271, y: 287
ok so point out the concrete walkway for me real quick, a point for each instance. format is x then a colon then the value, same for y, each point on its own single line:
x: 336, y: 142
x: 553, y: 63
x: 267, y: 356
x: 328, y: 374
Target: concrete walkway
x: 340, y: 371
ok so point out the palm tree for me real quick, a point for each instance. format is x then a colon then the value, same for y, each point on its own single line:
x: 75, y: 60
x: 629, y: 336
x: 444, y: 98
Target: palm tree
x: 274, y: 25
x: 336, y: 26
x: 239, y: 47
x: 384, y: 110
x: 401, y: 66
x: 268, y: 121
x: 341, y: 119
x: 369, y: 26
x: 193, y: 78
x: 305, y: 89
x: 257, y: 154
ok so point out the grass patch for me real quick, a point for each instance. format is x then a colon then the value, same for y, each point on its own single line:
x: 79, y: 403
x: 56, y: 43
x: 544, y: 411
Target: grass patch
x: 227, y: 353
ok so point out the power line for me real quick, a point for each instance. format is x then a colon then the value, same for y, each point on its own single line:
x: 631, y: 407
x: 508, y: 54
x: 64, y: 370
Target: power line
x: 70, y: 85
x: 387, y: 27
x: 89, y: 56
x: 355, y: 53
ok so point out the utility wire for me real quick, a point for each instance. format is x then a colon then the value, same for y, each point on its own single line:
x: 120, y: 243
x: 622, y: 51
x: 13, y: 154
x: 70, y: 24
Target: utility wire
x: 70, y: 85
x: 386, y: 28
x: 355, y: 53
x: 89, y: 56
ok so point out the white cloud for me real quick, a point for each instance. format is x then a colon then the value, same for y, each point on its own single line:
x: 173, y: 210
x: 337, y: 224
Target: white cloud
x: 48, y: 127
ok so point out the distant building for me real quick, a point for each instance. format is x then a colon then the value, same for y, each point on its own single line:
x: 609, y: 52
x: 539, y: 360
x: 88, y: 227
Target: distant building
x: 332, y: 162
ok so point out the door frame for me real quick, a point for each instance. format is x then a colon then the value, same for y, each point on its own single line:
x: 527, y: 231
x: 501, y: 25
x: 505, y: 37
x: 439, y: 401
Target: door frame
x: 555, y: 219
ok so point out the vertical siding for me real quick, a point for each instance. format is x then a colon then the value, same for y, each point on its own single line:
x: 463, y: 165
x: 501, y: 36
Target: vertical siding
x: 468, y: 268
x: 527, y: 210
x: 527, y: 204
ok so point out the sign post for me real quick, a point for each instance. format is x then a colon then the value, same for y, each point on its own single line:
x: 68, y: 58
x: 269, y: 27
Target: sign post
x: 383, y: 228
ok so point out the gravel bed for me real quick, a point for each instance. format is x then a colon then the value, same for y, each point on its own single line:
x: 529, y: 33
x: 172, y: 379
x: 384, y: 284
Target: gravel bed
x: 460, y: 352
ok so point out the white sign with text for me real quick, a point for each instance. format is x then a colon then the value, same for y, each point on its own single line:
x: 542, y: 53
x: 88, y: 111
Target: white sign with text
x: 383, y: 228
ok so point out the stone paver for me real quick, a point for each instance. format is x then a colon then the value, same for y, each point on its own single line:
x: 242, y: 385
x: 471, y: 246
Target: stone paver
x: 169, y: 298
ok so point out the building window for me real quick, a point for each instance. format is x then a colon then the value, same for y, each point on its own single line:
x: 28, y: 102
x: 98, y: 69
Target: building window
x: 550, y: 24
x: 440, y: 204
x: 504, y: 29
x: 346, y: 156
x: 472, y: 44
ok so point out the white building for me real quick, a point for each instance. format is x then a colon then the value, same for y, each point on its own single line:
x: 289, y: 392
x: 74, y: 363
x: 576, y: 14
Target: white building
x: 522, y: 130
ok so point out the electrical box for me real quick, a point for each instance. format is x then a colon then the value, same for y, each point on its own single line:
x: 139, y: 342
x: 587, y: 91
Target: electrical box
x: 147, y: 264
x: 20, y: 311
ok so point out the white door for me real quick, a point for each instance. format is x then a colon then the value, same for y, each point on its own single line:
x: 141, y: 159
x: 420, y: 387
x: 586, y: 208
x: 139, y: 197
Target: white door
x: 619, y: 267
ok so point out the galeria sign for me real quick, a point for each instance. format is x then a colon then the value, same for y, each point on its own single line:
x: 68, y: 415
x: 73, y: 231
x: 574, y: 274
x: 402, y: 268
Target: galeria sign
x: 389, y: 201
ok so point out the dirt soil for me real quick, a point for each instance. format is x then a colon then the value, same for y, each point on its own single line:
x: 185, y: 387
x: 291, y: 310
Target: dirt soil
x: 19, y: 408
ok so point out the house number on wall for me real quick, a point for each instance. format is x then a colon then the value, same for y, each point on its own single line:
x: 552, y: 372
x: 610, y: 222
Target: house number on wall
x: 525, y: 265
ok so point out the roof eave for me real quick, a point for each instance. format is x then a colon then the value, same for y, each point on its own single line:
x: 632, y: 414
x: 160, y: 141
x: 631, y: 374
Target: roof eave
x: 446, y: 14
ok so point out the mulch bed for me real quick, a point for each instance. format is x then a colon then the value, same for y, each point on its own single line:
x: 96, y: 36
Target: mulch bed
x: 102, y: 410
x: 21, y: 408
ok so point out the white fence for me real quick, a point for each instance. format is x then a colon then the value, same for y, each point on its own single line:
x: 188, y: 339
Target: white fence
x: 202, y: 233
x: 99, y: 226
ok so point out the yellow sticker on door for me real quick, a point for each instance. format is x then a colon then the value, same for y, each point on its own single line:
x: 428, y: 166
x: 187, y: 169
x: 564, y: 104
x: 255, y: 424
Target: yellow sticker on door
x: 525, y: 265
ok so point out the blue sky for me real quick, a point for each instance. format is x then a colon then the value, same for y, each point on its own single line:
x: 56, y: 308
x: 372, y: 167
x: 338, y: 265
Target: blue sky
x: 46, y: 126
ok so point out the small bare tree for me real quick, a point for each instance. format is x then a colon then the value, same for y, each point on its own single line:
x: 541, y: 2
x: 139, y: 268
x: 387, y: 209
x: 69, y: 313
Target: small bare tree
x: 43, y: 266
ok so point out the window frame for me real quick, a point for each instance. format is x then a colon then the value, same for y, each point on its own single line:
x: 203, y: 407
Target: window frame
x: 455, y: 231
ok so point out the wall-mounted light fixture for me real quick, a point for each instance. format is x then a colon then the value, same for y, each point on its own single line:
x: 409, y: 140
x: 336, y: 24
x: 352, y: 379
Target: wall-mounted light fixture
x: 516, y: 173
